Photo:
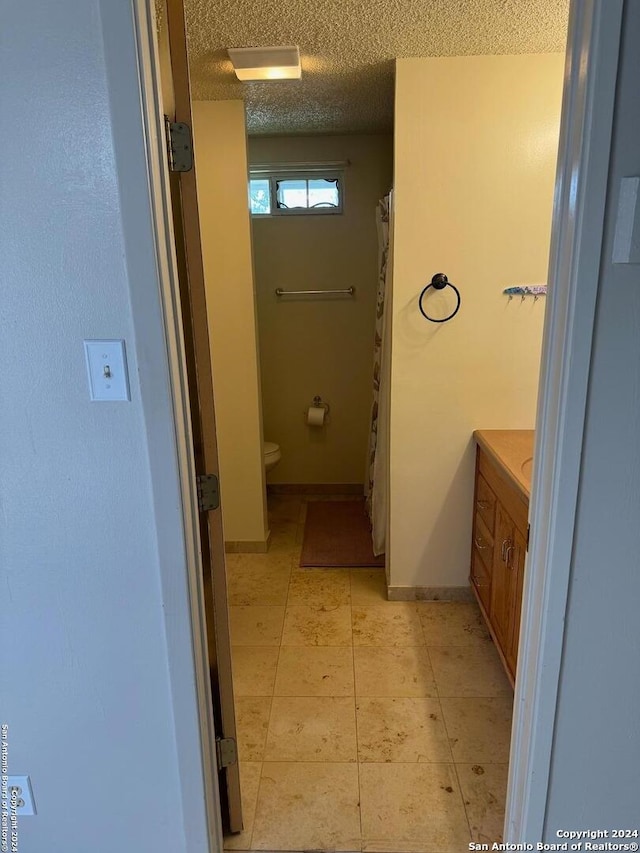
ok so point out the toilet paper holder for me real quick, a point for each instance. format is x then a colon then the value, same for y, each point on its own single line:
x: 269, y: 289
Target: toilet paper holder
x: 317, y: 403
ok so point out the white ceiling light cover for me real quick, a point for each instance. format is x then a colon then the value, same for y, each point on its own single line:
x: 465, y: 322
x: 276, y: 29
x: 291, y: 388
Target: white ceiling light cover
x: 266, y: 63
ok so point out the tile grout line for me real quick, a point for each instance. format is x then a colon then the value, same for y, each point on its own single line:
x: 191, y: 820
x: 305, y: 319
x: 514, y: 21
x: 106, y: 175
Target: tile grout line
x: 446, y: 728
x: 464, y: 805
x: 273, y: 690
x: 428, y: 654
x: 355, y: 710
x: 301, y: 525
x: 444, y: 723
x: 264, y: 750
x: 262, y: 763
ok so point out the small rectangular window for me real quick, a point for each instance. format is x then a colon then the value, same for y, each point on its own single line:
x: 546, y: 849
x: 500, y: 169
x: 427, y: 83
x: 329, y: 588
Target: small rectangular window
x: 278, y: 194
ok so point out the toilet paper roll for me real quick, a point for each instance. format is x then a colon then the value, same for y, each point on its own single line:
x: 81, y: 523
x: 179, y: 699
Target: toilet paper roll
x: 316, y: 415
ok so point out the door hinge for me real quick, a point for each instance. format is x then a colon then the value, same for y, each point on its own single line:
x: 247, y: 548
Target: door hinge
x: 179, y: 146
x: 226, y: 752
x: 208, y: 492
x: 528, y: 535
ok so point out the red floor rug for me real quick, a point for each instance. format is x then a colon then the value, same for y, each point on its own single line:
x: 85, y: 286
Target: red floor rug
x: 337, y: 533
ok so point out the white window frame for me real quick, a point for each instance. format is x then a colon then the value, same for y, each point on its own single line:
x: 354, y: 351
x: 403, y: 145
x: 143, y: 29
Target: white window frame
x: 300, y: 174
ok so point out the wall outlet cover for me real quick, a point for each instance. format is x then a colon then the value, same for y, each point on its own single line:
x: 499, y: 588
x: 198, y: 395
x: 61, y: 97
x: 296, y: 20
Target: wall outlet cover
x: 19, y: 789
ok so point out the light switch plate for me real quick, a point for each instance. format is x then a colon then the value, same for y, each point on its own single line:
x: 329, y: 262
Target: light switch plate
x: 107, y: 369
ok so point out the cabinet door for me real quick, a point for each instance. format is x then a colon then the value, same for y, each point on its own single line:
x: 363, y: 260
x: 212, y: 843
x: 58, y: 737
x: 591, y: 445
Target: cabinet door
x: 485, y: 502
x: 482, y: 561
x: 518, y: 558
x: 501, y: 585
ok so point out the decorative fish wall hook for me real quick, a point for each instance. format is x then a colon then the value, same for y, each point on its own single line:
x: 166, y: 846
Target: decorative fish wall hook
x: 524, y: 290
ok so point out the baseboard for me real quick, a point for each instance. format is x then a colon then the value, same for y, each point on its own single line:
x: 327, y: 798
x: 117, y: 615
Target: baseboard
x: 251, y: 546
x: 429, y: 593
x: 315, y: 489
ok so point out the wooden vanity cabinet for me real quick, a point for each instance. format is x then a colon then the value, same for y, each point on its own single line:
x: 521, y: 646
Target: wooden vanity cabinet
x: 498, y: 552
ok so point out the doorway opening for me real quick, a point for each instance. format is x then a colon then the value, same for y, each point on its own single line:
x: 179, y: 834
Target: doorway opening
x: 344, y: 625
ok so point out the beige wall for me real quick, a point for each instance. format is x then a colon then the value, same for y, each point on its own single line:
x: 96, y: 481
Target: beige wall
x: 312, y: 346
x: 475, y: 154
x: 221, y: 160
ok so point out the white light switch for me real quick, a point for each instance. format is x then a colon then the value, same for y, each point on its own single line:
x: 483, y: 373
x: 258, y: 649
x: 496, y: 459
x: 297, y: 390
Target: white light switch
x: 107, y: 368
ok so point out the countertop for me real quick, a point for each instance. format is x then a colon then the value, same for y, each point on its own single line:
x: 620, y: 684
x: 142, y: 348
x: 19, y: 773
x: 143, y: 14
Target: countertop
x: 512, y: 451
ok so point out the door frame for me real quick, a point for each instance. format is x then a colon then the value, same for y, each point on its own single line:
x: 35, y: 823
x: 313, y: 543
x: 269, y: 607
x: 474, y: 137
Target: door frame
x: 576, y: 243
x: 591, y: 70
x: 195, y: 781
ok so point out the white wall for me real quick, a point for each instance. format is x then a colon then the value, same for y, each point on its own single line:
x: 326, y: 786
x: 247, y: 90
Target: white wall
x: 220, y: 142
x: 595, y: 767
x: 86, y: 543
x: 312, y: 346
x: 475, y: 153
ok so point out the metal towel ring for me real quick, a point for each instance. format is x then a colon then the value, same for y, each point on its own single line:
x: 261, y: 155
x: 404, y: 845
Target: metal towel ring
x: 439, y: 282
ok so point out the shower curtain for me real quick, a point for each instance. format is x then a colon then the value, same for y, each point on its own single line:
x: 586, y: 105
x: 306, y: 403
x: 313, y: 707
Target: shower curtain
x: 378, y: 473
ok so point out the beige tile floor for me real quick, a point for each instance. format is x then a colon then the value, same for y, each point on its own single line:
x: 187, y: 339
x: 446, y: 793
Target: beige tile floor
x: 363, y: 725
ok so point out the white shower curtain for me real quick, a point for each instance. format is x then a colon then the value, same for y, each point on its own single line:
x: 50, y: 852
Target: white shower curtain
x: 378, y: 473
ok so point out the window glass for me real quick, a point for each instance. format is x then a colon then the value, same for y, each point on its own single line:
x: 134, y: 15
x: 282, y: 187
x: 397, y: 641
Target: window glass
x: 259, y: 198
x: 323, y: 192
x: 292, y: 193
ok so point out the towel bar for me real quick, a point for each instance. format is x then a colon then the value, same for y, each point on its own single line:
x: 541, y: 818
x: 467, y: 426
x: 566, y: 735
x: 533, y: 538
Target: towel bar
x: 280, y: 292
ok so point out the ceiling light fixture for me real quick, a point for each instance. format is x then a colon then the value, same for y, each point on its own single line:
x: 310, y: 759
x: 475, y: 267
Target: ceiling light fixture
x: 266, y: 63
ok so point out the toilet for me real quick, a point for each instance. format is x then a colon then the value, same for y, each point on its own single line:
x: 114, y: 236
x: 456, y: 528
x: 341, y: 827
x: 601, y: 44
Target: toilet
x: 272, y: 455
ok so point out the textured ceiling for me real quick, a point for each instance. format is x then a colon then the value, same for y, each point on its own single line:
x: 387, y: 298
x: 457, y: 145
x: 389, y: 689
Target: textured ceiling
x: 347, y: 49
